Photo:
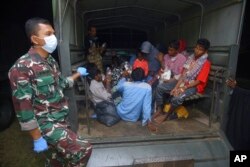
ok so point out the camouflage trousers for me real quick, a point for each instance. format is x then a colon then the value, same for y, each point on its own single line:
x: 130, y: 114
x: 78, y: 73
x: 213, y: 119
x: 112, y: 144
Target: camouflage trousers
x: 97, y: 59
x: 66, y: 149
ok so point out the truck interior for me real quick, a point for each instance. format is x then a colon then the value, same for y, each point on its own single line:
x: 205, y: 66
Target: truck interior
x: 124, y: 25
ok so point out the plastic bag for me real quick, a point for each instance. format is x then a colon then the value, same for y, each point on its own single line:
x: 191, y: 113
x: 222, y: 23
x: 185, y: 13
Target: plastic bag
x: 166, y: 75
x: 106, y: 113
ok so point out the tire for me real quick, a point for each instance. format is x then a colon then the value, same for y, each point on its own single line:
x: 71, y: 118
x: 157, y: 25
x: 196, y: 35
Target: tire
x: 6, y: 113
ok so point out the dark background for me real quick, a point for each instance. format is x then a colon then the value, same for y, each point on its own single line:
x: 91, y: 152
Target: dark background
x: 13, y: 14
x: 14, y: 43
x: 244, y: 54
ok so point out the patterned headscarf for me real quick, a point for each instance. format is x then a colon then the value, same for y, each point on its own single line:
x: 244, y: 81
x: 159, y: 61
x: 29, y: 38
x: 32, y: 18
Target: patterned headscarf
x: 193, y: 66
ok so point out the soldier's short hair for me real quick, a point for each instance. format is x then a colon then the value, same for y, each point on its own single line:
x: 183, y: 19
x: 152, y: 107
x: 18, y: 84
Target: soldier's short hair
x: 32, y: 27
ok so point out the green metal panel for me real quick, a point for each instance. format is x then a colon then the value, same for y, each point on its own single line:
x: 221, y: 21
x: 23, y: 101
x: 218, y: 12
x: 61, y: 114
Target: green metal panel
x: 213, y: 151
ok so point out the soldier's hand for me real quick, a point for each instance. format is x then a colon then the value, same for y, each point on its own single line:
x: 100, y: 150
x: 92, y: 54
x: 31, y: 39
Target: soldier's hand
x: 40, y: 145
x: 82, y: 71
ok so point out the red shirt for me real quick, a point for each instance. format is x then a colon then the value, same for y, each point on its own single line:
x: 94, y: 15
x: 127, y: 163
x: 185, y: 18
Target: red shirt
x: 203, y: 76
x: 142, y: 64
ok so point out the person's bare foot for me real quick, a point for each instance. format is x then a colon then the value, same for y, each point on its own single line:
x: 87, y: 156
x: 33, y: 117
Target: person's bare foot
x: 160, y: 118
x: 152, y: 127
x: 158, y: 112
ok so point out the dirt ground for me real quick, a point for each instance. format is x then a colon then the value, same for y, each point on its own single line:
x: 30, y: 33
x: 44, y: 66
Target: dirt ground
x: 16, y: 149
x: 16, y: 146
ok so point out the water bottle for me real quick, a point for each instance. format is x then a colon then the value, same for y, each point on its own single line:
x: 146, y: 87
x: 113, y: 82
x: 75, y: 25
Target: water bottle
x: 127, y: 67
x: 108, y: 71
x: 108, y: 79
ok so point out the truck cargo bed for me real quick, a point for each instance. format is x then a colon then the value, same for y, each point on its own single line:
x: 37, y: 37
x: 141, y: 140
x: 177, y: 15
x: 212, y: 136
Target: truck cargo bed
x: 196, y: 123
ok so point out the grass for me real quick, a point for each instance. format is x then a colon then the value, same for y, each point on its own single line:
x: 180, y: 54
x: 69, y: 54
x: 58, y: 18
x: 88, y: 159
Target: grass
x: 16, y: 149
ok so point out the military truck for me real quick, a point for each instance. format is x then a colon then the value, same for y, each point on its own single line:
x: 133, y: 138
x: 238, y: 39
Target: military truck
x: 196, y: 141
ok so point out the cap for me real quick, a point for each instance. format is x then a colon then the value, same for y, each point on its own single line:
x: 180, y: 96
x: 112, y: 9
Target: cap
x: 146, y: 47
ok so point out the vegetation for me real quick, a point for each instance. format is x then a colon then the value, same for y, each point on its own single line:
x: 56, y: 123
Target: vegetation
x: 16, y: 149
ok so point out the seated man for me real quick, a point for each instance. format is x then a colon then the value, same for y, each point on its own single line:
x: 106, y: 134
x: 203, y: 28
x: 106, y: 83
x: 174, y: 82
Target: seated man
x: 98, y: 91
x: 105, y: 109
x: 136, y: 98
x: 174, y: 62
x: 193, y: 79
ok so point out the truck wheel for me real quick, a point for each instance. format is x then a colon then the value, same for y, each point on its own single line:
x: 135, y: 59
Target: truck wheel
x: 6, y: 114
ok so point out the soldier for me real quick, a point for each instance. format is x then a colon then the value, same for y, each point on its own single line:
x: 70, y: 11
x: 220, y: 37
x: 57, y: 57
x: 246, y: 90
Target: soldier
x: 41, y: 108
x: 93, y: 48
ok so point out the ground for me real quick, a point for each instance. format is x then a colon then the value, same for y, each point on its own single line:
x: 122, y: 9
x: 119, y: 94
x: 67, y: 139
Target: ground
x: 16, y: 149
x: 16, y: 146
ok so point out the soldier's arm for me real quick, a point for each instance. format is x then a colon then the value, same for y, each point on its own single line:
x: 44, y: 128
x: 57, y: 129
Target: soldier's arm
x: 68, y: 82
x: 65, y: 82
x: 22, y: 94
x: 75, y: 76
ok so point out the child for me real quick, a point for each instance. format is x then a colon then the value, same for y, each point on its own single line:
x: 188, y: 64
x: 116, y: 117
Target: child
x: 141, y: 62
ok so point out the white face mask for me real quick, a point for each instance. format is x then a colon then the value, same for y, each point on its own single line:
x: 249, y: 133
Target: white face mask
x: 50, y: 43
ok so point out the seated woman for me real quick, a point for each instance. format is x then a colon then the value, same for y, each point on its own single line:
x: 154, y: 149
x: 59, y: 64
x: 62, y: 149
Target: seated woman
x: 151, y: 53
x: 136, y: 98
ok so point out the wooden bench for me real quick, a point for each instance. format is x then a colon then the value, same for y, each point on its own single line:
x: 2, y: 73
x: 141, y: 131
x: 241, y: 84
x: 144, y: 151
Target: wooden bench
x: 217, y: 76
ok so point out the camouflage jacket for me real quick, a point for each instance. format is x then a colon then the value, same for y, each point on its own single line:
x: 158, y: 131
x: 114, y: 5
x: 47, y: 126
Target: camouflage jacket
x: 37, y: 90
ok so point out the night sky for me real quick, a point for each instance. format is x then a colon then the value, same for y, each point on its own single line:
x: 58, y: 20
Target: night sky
x: 13, y: 15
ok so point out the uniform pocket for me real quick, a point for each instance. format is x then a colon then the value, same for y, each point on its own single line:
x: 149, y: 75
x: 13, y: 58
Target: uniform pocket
x: 45, y: 85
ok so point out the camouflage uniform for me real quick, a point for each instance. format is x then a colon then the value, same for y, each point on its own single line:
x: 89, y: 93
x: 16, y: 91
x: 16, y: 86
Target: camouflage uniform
x: 94, y: 56
x: 37, y: 89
